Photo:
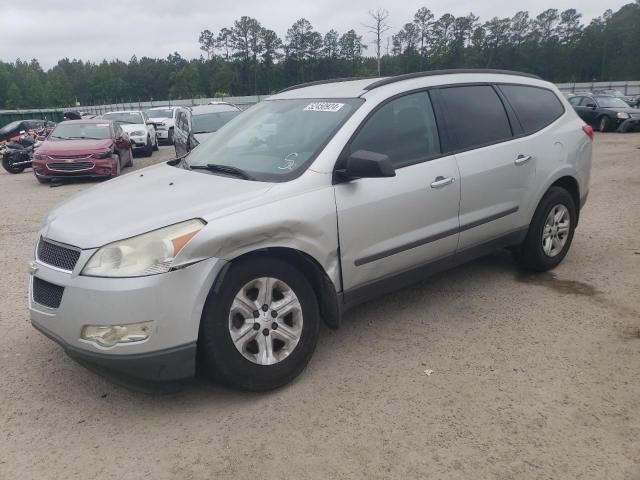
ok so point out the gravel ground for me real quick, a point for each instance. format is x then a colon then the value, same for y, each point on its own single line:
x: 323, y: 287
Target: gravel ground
x: 534, y: 377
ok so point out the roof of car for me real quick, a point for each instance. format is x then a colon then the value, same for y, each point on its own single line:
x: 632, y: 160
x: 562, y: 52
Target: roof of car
x: 87, y: 120
x: 216, y: 107
x: 352, y: 88
x: 124, y: 111
x: 172, y: 107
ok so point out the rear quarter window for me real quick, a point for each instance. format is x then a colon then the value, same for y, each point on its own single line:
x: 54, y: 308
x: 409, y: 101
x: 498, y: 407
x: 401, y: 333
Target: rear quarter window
x: 535, y: 107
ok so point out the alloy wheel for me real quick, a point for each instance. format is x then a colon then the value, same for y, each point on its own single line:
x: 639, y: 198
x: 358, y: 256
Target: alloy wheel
x: 265, y: 321
x: 556, y: 230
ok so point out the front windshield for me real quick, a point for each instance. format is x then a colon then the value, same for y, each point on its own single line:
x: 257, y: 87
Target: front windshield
x: 81, y: 131
x: 611, y: 102
x: 211, y: 122
x: 275, y: 139
x: 125, y: 117
x: 164, y: 113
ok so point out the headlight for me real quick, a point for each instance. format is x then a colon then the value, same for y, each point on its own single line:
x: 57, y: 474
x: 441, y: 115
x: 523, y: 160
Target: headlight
x: 623, y: 115
x: 106, y: 154
x: 147, y: 254
x: 138, y: 133
x: 37, y: 156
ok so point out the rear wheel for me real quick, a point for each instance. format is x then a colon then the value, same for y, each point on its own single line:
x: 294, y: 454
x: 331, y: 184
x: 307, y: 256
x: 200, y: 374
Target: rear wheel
x: 550, y: 232
x: 259, y: 330
x: 604, y: 124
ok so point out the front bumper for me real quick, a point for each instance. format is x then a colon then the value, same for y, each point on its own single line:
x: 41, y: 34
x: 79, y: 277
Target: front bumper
x: 629, y: 125
x: 101, y: 168
x: 162, y: 134
x: 138, y: 143
x: 173, y: 301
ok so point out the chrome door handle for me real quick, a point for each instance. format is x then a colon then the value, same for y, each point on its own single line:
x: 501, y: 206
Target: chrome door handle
x: 440, y: 182
x: 522, y: 159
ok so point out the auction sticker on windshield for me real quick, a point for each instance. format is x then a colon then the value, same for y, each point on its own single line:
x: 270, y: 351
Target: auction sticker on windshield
x: 324, y: 107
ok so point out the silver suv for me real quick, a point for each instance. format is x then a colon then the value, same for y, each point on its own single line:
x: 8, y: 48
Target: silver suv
x: 319, y: 198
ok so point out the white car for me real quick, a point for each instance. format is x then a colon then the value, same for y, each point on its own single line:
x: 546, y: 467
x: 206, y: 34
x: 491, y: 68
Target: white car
x: 164, y: 120
x: 140, y: 130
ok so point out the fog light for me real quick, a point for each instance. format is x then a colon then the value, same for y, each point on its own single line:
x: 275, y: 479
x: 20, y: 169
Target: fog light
x: 110, y: 335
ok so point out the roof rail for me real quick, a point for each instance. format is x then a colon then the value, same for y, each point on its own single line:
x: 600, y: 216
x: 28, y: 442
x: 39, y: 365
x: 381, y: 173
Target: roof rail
x: 431, y: 73
x: 322, y: 82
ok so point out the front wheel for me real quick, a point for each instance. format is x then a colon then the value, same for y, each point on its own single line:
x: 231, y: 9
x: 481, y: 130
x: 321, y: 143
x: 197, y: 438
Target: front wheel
x: 259, y: 330
x: 156, y: 147
x: 148, y: 149
x: 170, y: 136
x: 605, y: 124
x: 550, y: 232
x: 7, y: 163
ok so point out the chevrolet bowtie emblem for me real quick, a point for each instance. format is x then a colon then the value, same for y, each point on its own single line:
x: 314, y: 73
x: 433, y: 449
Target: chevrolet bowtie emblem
x: 33, y: 268
x: 68, y: 160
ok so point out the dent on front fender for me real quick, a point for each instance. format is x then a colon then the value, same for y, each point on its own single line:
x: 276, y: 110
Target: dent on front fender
x: 304, y: 222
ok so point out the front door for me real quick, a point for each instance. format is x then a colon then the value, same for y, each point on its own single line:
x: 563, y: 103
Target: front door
x: 392, y: 225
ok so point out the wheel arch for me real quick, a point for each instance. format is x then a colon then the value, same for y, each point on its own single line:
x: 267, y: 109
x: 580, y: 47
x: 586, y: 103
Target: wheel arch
x: 323, y: 286
x: 570, y: 184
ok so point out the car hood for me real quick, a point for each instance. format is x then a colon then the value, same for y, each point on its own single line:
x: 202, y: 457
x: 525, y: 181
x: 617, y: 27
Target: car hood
x: 201, y: 137
x: 74, y: 147
x: 146, y: 200
x: 160, y: 120
x: 133, y: 127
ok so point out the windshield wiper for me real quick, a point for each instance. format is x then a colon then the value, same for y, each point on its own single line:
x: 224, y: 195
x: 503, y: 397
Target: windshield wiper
x: 212, y: 167
x: 60, y: 138
x: 198, y: 133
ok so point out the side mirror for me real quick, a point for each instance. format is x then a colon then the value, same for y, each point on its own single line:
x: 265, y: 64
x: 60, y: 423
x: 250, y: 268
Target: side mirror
x: 591, y: 105
x: 366, y: 164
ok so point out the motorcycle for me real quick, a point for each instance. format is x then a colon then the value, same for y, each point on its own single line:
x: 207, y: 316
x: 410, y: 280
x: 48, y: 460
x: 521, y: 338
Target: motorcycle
x: 18, y: 154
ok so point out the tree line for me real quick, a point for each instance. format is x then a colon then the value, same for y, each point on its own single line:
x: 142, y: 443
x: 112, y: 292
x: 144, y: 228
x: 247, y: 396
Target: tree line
x: 248, y: 58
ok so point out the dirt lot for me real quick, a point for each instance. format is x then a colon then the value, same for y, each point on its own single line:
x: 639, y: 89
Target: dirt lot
x: 533, y: 376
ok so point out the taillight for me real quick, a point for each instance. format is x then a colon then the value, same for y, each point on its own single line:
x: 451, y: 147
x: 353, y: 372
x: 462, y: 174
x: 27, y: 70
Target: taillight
x: 588, y: 130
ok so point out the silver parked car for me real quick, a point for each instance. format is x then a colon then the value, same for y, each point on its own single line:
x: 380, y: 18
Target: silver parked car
x: 319, y: 198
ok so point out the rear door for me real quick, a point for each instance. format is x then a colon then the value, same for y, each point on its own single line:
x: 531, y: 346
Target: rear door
x: 496, y: 172
x: 392, y: 225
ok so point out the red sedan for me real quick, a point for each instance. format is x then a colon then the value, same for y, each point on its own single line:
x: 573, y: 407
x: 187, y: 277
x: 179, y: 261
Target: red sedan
x: 95, y: 148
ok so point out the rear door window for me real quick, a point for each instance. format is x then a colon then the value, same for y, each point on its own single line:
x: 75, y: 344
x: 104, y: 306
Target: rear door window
x: 475, y: 116
x: 404, y: 129
x: 535, y: 107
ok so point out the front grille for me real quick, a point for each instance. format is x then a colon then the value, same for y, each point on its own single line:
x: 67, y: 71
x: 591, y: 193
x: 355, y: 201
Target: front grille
x: 70, y: 167
x: 57, y: 255
x: 46, y: 293
x: 68, y: 157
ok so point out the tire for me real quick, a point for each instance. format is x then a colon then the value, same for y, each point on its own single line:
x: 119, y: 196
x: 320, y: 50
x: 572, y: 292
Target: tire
x: 604, y: 124
x: 8, y: 165
x: 155, y: 145
x: 253, y: 370
x: 534, y: 254
x: 170, y: 137
x: 148, y: 149
x: 118, y: 166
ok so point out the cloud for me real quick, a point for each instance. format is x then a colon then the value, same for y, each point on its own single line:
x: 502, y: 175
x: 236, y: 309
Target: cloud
x: 96, y: 30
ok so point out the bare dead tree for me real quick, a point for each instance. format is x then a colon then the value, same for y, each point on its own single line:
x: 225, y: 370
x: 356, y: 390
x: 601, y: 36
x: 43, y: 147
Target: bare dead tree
x: 378, y: 28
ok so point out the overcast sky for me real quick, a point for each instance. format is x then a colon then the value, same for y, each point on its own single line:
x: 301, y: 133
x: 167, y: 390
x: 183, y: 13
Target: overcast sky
x: 93, y: 30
